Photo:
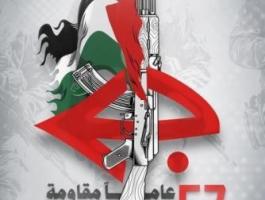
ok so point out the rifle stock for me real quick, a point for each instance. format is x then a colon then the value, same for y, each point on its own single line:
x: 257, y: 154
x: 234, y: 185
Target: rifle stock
x: 135, y: 185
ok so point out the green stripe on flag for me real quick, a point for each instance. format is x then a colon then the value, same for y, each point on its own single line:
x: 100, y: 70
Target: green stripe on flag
x: 103, y: 52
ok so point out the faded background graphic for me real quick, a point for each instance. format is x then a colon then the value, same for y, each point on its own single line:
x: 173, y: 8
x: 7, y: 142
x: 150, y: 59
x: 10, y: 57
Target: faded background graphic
x: 216, y: 47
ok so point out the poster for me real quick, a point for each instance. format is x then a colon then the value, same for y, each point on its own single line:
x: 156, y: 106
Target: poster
x: 206, y: 66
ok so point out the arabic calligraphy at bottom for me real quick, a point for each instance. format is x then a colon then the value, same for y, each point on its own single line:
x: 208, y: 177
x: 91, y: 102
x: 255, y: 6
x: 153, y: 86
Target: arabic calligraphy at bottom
x: 85, y: 193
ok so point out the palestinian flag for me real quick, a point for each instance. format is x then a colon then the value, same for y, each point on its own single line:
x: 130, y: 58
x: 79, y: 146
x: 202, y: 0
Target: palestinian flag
x: 97, y: 42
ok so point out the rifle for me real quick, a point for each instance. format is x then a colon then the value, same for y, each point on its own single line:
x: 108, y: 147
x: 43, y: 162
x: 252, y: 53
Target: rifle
x: 144, y: 145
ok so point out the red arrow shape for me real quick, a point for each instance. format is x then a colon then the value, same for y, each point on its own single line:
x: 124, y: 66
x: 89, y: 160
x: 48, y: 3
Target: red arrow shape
x: 79, y: 127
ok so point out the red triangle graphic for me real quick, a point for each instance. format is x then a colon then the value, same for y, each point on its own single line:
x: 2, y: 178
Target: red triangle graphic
x: 79, y: 128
